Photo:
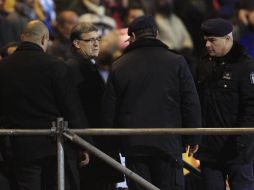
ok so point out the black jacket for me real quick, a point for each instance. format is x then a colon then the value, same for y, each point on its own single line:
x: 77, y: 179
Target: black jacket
x: 151, y: 87
x: 91, y: 87
x: 226, y: 88
x: 35, y: 89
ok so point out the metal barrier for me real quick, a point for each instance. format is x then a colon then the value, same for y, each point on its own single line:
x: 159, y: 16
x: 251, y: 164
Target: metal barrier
x: 60, y: 130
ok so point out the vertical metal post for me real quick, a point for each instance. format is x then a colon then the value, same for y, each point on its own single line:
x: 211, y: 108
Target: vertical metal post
x: 60, y: 125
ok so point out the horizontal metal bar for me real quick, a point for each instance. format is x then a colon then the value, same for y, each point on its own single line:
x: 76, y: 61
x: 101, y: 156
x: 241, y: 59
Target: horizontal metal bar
x: 23, y: 132
x: 139, y: 131
x: 165, y: 131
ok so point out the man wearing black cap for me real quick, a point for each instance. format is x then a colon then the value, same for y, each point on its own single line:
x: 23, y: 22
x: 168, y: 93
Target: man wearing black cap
x: 151, y: 87
x: 226, y: 87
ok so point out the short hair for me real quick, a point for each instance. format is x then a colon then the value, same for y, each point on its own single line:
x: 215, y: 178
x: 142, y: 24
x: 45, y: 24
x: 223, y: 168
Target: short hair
x: 79, y: 29
x: 61, y: 17
x: 134, y: 5
x: 143, y: 26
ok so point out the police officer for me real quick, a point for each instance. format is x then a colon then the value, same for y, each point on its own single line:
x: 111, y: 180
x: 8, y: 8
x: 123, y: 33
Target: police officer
x: 226, y: 87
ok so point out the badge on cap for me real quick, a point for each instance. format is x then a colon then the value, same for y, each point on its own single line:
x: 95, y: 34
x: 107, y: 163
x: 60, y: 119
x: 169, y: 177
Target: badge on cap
x: 252, y: 78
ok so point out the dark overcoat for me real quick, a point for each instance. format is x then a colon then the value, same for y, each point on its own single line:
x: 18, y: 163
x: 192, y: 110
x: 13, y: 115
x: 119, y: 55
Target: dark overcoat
x: 35, y: 89
x: 151, y: 87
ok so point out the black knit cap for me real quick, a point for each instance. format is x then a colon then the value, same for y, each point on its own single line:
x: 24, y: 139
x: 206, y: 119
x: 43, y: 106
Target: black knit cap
x: 217, y: 27
x: 142, y: 23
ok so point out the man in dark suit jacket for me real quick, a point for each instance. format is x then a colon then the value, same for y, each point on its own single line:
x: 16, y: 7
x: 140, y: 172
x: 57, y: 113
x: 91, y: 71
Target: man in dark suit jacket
x: 152, y: 87
x: 35, y: 89
x: 90, y: 85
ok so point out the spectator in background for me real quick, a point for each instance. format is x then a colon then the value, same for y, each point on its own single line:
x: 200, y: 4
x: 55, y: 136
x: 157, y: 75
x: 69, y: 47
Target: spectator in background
x: 226, y: 91
x: 24, y: 12
x: 172, y: 30
x: 192, y: 13
x: 96, y: 14
x: 60, y: 47
x: 133, y: 11
x: 174, y: 33
x: 9, y: 49
x: 245, y: 28
x: 150, y: 87
x: 7, y: 178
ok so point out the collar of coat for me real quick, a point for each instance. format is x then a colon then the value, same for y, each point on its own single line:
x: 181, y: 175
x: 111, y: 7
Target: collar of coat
x: 145, y: 42
x: 76, y: 57
x: 29, y: 46
x: 234, y: 55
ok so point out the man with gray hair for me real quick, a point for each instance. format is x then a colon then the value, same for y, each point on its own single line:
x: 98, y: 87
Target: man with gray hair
x: 35, y: 89
x: 90, y: 84
x: 226, y: 89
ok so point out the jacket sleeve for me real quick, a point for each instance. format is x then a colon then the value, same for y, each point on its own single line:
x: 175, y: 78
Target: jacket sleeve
x: 246, y: 107
x: 190, y: 106
x: 67, y: 98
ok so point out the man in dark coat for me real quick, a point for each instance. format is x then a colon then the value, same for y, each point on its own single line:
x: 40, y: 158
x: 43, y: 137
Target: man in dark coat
x: 152, y: 87
x: 90, y: 84
x: 226, y: 87
x: 35, y: 89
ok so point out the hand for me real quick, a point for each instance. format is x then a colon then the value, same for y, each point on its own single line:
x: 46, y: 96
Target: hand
x: 84, y: 159
x: 243, y: 16
x: 192, y: 149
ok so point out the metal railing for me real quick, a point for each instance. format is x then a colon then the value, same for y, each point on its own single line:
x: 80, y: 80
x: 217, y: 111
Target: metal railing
x: 61, y: 131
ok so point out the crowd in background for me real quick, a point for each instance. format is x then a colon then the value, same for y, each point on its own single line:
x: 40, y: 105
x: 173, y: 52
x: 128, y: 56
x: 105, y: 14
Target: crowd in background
x: 178, y: 22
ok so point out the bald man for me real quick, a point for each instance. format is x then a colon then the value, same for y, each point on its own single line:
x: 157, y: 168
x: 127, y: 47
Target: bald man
x: 35, y: 89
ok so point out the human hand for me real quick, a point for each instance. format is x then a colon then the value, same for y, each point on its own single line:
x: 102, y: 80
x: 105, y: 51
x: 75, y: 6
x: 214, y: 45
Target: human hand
x: 84, y: 159
x: 192, y: 149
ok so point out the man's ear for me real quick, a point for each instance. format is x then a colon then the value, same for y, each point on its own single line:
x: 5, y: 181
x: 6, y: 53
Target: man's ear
x: 76, y: 44
x: 133, y: 36
x: 227, y: 37
x: 22, y: 37
x: 157, y: 34
x: 44, y: 37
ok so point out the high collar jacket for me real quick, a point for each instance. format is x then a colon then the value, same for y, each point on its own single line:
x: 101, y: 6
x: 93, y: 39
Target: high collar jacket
x: 35, y: 89
x: 151, y: 87
x: 90, y: 87
x: 226, y: 89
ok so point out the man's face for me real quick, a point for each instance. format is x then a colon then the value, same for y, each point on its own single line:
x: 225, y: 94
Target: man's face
x: 251, y: 17
x: 133, y: 14
x: 71, y: 19
x: 216, y: 46
x: 89, y: 44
